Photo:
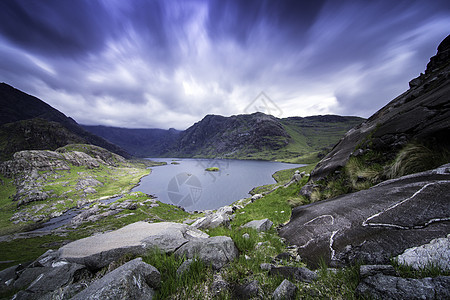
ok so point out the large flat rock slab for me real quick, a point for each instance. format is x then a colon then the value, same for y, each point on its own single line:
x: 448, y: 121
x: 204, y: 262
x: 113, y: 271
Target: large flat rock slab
x: 99, y: 250
x: 375, y: 224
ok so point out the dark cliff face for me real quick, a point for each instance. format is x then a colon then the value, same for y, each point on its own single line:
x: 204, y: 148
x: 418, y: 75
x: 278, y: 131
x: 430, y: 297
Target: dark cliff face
x: 421, y: 114
x: 16, y: 107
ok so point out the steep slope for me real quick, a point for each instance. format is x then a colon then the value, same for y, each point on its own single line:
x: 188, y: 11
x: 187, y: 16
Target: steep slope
x: 138, y: 142
x: 406, y: 142
x: 261, y: 136
x: 421, y: 114
x: 16, y: 106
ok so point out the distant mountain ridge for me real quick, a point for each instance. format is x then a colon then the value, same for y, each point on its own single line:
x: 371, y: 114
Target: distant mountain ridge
x: 247, y: 136
x: 28, y: 123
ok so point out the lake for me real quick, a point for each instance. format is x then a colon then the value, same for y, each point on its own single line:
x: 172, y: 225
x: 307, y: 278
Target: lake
x: 185, y: 182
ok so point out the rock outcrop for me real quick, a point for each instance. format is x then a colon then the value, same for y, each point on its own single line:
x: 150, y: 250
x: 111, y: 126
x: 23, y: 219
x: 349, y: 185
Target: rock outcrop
x: 420, y: 114
x: 20, y: 113
x: 376, y: 224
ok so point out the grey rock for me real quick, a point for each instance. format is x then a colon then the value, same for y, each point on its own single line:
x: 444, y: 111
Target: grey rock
x: 285, y: 291
x: 99, y: 250
x: 266, y: 266
x: 259, y: 225
x: 249, y: 290
x: 389, y: 287
x: 219, y: 218
x: 216, y: 251
x: 133, y: 280
x: 184, y: 266
x: 373, y: 225
x: 246, y: 236
x: 256, y: 197
x: 218, y: 286
x: 436, y: 253
x: 295, y: 273
x: 371, y: 270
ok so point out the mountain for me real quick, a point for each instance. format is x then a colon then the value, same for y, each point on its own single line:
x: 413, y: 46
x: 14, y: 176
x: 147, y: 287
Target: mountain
x: 28, y: 123
x: 138, y: 142
x: 419, y: 117
x: 261, y: 136
x: 402, y: 153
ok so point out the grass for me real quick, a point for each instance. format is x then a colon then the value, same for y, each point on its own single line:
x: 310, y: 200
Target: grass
x: 431, y: 270
x: 185, y: 284
x: 416, y: 157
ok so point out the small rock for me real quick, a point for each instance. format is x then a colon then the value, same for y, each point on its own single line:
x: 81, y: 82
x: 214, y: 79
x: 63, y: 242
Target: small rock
x: 266, y: 266
x: 133, y: 280
x: 184, y: 267
x: 389, y: 287
x: 246, y: 236
x: 256, y: 197
x: 285, y: 291
x: 298, y: 274
x: 370, y: 270
x: 259, y: 225
x: 249, y: 290
x: 218, y: 285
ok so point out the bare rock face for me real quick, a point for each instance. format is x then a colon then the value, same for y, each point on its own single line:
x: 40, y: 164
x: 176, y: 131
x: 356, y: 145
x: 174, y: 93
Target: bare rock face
x: 133, y: 280
x: 375, y: 224
x: 422, y: 113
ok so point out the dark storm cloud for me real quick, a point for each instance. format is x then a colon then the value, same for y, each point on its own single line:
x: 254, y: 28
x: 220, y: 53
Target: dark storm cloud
x: 145, y: 63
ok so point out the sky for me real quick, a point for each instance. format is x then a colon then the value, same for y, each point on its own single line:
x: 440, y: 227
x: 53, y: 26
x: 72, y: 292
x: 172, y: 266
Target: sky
x: 167, y: 64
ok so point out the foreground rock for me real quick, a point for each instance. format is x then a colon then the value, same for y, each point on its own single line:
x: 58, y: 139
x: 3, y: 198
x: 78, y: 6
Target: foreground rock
x: 285, y: 291
x: 137, y: 238
x: 259, y: 225
x: 435, y: 253
x: 133, y: 280
x: 221, y: 217
x: 389, y: 287
x: 215, y: 251
x: 375, y: 224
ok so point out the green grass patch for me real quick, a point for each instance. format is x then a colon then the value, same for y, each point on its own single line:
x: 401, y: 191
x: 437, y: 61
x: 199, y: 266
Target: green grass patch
x: 187, y: 284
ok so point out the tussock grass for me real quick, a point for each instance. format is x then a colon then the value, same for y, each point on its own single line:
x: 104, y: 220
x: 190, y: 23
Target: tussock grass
x: 431, y: 270
x: 416, y: 157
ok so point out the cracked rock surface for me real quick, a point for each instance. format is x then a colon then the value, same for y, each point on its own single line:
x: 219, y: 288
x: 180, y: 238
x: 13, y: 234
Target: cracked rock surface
x: 375, y: 224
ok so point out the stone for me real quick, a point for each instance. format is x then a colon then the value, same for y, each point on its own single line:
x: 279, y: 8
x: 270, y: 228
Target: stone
x: 218, y: 286
x: 371, y: 270
x: 184, y: 266
x: 215, y: 251
x: 295, y: 273
x: 266, y: 266
x: 219, y: 218
x: 373, y: 225
x: 389, y: 287
x: 99, y: 250
x: 435, y: 253
x: 259, y: 225
x: 256, y: 197
x: 133, y: 280
x: 246, y: 236
x: 249, y: 290
x: 285, y: 291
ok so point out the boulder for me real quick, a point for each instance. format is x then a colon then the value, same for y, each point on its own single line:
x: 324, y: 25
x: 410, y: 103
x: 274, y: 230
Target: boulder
x: 371, y: 270
x: 99, y: 250
x: 256, y: 197
x: 219, y: 218
x: 389, y: 287
x: 259, y: 225
x: 184, y: 266
x: 285, y: 291
x: 435, y: 253
x: 215, y: 251
x: 376, y: 224
x: 133, y: 280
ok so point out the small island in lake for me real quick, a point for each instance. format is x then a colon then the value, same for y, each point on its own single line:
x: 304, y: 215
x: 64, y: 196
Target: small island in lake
x: 212, y: 169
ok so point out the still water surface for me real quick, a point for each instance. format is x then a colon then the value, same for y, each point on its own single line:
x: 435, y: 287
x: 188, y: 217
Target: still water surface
x: 187, y: 184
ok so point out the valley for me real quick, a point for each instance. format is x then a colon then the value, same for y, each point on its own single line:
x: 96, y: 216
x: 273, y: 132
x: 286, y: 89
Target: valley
x: 366, y: 217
